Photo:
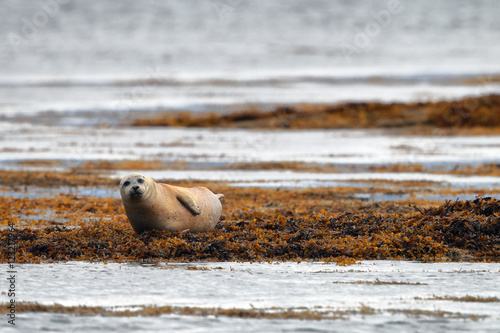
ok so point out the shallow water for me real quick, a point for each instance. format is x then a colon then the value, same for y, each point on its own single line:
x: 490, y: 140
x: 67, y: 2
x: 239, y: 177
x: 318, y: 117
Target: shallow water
x: 39, y: 192
x: 212, y: 146
x: 291, y: 179
x: 175, y: 323
x: 397, y: 292
x: 203, y: 149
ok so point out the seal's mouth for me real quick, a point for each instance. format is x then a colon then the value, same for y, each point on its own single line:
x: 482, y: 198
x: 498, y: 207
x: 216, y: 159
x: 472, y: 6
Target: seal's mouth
x: 136, y: 193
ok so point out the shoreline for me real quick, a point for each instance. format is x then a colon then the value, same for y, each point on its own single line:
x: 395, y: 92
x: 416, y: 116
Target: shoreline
x: 469, y: 116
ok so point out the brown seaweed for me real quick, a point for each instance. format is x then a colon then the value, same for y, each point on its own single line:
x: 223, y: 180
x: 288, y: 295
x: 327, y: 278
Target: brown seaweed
x: 470, y: 112
x: 456, y: 230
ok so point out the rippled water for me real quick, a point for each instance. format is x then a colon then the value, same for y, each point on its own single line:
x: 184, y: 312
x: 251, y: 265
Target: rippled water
x: 148, y: 55
x: 212, y: 146
x: 395, y: 290
x: 209, y: 148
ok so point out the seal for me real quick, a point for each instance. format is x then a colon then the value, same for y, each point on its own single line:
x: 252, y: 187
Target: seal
x: 155, y: 206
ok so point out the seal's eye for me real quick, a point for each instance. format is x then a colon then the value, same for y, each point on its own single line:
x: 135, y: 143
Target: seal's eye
x: 140, y: 180
x: 127, y: 183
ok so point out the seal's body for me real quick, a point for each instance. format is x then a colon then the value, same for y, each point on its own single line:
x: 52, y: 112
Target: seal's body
x: 150, y: 205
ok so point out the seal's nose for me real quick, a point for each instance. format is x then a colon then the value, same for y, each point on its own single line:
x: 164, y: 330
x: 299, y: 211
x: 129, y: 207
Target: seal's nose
x: 135, y: 187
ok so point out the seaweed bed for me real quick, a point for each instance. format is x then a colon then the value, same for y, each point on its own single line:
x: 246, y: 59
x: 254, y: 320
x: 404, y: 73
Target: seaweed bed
x: 468, y: 113
x: 268, y: 224
x: 273, y: 313
x: 301, y: 230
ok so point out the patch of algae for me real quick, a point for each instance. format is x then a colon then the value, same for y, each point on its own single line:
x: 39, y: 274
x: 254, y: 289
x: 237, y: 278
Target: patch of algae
x: 455, y: 230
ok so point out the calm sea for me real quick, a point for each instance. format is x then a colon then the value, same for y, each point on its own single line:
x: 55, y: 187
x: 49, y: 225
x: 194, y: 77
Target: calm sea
x: 60, y: 55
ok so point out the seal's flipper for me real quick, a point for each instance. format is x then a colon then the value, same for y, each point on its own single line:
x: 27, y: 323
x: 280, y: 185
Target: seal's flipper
x: 189, y: 203
x: 220, y: 196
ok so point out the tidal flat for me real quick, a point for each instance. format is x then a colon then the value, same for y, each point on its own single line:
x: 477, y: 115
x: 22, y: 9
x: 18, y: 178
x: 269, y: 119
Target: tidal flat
x: 371, y: 229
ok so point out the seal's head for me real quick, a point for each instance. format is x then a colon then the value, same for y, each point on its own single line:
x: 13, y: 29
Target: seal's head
x: 134, y: 186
